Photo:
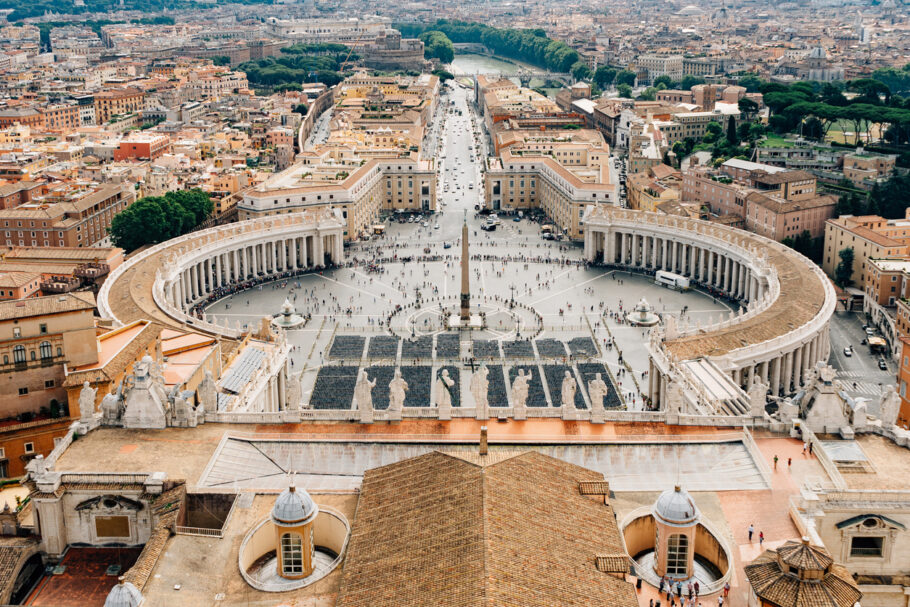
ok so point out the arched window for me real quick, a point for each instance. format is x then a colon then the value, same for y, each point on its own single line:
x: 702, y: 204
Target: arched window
x: 32, y: 352
x: 19, y: 354
x: 291, y: 554
x: 677, y: 555
x: 46, y: 350
x: 59, y: 351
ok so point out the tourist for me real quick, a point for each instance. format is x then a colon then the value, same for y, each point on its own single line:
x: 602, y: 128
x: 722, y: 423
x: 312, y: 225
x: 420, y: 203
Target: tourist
x: 726, y: 589
x: 789, y: 462
x: 775, y: 462
x: 761, y: 538
x: 751, y: 531
x: 696, y: 588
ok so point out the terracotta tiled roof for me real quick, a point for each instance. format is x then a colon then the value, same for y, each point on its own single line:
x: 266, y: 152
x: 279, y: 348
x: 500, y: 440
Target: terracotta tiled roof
x: 38, y: 306
x: 835, y: 587
x: 440, y: 531
x: 13, y: 553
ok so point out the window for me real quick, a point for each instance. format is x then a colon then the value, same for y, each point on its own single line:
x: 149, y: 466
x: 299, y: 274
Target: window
x: 42, y: 328
x: 677, y: 555
x: 29, y: 447
x: 291, y: 554
x: 23, y: 391
x: 46, y: 351
x: 17, y: 332
x: 19, y: 354
x: 48, y: 383
x: 866, y: 546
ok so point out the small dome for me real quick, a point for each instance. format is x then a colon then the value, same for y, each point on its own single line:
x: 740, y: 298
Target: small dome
x: 294, y: 507
x: 676, y: 508
x: 124, y: 594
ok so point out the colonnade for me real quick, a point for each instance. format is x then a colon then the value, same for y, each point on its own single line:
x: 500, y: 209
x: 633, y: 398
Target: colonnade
x: 226, y: 265
x: 701, y: 262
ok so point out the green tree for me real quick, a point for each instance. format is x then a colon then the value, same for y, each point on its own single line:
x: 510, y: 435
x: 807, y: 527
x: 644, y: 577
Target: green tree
x: 712, y: 132
x: 625, y: 77
x: 624, y: 90
x: 688, y: 82
x: 437, y: 46
x: 221, y: 60
x: 666, y: 80
x: 844, y: 270
x: 581, y: 71
x: 748, y: 107
x: 731, y: 130
x: 649, y: 94
x: 604, y: 76
x: 443, y: 75
x: 155, y: 219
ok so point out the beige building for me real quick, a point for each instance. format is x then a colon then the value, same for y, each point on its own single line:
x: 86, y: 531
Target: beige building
x: 870, y: 236
x: 72, y: 215
x: 39, y: 337
x: 557, y: 173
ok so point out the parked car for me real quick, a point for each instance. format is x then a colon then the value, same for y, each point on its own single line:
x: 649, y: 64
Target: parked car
x: 882, y: 365
x: 870, y: 331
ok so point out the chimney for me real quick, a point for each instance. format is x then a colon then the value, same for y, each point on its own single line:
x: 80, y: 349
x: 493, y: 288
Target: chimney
x: 483, y: 440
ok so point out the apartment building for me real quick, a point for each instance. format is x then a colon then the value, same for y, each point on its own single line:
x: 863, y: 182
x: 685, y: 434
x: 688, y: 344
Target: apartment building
x: 117, y: 102
x: 903, y: 378
x: 61, y: 117
x: 870, y: 237
x: 661, y: 65
x: 647, y: 190
x: 142, y: 147
x: 557, y: 173
x: 861, y: 166
x: 70, y: 215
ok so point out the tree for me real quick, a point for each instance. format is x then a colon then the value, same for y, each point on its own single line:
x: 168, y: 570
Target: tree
x: 712, y: 132
x: 155, y: 219
x: 688, y: 82
x: 221, y: 60
x: 581, y: 71
x: 731, y: 131
x: 625, y: 77
x: 624, y: 90
x: 649, y: 94
x: 747, y: 107
x: 436, y: 45
x: 844, y: 271
x: 301, y: 108
x: 443, y: 75
x: 666, y: 80
x: 604, y: 76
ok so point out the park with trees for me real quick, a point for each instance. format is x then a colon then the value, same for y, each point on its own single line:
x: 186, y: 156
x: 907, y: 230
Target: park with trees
x: 154, y: 219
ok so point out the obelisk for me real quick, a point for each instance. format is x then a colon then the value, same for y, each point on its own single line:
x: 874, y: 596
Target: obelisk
x: 465, y: 274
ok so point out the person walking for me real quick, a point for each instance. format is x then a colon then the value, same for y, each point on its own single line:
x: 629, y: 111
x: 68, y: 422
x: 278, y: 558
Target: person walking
x: 775, y: 462
x: 679, y: 589
x: 761, y: 538
x: 727, y: 589
x: 789, y: 462
x: 696, y: 588
x: 751, y: 531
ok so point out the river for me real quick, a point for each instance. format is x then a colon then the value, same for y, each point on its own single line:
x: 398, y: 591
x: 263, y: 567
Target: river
x: 472, y: 63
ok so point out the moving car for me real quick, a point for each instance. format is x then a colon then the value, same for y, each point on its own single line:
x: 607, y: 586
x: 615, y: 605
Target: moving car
x: 882, y: 365
x: 848, y: 351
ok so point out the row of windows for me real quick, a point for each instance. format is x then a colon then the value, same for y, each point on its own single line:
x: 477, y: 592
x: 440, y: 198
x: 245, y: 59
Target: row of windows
x: 48, y: 384
x: 44, y: 349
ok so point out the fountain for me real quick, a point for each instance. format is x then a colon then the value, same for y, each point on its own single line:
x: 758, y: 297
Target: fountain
x: 643, y: 314
x: 288, y: 318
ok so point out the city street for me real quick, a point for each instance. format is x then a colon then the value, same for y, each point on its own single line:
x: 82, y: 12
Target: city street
x: 861, y: 369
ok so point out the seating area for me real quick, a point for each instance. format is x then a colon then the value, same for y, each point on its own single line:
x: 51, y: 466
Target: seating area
x: 550, y: 348
x: 383, y: 374
x: 496, y: 393
x: 517, y: 349
x: 448, y: 345
x: 588, y: 371
x: 486, y: 348
x: 334, y: 388
x: 536, y: 395
x: 456, y: 387
x: 418, y: 347
x: 383, y: 346
x: 418, y: 378
x: 555, y: 374
x: 582, y: 346
x: 347, y: 346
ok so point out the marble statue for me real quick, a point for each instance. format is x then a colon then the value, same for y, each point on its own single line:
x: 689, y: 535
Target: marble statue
x: 859, y: 415
x: 363, y: 391
x: 889, y: 405
x: 597, y: 390
x: 87, y: 402
x: 675, y: 398
x: 208, y: 396
x: 568, y: 390
x: 444, y: 390
x: 146, y: 402
x: 758, y: 392
x: 520, y: 389
x: 111, y: 409
x: 397, y: 388
x: 295, y: 392
x: 480, y: 386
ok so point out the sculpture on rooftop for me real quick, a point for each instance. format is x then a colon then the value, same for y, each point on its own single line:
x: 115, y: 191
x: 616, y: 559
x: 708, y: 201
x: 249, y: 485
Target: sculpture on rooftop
x: 758, y: 393
x: 597, y: 390
x: 889, y: 405
x: 443, y: 394
x: 520, y: 390
x: 397, y: 389
x: 363, y: 396
x: 568, y: 391
x: 87, y: 402
x: 208, y: 396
